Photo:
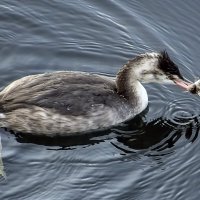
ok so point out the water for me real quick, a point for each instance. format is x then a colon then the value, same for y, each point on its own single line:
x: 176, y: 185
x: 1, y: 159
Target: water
x: 156, y: 155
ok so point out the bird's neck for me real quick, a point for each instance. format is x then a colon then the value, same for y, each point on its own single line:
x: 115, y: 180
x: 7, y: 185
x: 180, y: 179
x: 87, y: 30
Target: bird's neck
x: 130, y: 88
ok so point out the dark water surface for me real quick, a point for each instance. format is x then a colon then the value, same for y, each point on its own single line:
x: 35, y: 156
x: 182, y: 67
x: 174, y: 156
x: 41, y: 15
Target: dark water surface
x: 153, y: 157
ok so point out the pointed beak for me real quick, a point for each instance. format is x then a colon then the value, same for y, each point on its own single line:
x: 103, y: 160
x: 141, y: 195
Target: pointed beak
x: 183, y: 83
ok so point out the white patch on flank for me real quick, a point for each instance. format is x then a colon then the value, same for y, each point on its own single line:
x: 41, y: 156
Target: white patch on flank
x: 2, y: 116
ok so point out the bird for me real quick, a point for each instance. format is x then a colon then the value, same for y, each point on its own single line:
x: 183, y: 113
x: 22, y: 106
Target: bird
x: 64, y: 103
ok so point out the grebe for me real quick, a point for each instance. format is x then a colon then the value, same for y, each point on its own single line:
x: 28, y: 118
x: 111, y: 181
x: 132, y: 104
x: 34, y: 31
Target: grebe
x: 65, y: 103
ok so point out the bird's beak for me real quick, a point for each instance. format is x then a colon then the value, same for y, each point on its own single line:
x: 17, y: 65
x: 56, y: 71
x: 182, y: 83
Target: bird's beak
x: 183, y: 83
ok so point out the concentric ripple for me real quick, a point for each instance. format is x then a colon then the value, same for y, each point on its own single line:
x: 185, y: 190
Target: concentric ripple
x: 182, y: 111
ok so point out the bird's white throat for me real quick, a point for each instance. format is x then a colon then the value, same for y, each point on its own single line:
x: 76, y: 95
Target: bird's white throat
x: 141, y: 97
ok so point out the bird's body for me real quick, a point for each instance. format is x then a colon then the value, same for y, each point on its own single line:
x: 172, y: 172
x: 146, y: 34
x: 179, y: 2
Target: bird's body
x: 65, y: 103
x: 62, y: 103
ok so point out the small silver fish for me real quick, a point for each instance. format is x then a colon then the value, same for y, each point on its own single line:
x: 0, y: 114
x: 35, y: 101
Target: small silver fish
x: 194, y: 88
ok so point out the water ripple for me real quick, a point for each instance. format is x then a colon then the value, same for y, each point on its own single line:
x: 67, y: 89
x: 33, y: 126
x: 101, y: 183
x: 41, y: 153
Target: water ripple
x: 182, y: 111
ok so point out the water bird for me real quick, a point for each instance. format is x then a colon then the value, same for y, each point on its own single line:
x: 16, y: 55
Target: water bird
x: 68, y: 103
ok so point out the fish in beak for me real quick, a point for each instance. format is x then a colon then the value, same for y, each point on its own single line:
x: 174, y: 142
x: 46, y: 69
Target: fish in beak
x: 194, y: 88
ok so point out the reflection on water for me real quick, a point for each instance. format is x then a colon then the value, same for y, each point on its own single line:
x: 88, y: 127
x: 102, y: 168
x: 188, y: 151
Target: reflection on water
x: 157, y: 135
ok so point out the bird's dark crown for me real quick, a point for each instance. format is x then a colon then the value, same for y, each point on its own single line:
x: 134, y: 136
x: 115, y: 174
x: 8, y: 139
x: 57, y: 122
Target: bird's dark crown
x: 168, y: 66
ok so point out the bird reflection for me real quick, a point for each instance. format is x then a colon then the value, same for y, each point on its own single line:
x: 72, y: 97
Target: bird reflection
x: 158, y: 134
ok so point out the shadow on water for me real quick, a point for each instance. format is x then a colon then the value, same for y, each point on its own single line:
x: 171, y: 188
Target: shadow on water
x: 156, y: 135
x: 64, y: 142
x: 135, y: 134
